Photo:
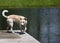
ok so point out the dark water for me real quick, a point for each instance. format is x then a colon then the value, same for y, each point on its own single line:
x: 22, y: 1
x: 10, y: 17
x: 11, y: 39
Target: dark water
x: 43, y: 23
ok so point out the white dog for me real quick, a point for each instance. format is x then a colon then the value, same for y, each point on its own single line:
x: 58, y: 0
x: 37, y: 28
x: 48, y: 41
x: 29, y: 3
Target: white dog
x: 21, y: 20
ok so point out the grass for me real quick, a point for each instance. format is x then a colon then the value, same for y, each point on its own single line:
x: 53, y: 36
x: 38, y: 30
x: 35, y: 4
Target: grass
x: 28, y: 3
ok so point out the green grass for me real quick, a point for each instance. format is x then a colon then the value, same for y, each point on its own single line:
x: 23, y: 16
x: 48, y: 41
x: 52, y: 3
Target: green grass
x: 28, y: 3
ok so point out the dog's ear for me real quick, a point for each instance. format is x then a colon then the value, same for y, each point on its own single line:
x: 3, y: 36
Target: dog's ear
x: 25, y: 18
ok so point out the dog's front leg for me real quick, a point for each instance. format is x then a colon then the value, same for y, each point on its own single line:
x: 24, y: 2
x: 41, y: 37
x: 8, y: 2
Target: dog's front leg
x: 21, y: 29
x: 25, y: 29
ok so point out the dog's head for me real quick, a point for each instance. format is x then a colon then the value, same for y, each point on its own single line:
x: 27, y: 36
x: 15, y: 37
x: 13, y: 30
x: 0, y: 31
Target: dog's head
x: 23, y: 21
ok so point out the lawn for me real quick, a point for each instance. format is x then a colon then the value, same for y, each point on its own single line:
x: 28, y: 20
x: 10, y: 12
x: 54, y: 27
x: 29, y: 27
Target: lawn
x: 28, y: 3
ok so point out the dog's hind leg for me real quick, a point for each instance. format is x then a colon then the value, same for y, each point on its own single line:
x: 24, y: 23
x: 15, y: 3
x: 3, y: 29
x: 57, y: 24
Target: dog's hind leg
x: 10, y: 22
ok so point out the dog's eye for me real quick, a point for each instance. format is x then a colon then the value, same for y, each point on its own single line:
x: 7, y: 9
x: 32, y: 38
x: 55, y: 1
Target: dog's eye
x: 20, y: 18
x: 25, y: 18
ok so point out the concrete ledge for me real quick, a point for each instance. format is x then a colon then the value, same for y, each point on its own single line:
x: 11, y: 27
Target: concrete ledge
x: 23, y: 38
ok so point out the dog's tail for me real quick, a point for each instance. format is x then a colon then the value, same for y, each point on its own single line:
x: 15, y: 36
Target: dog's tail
x: 3, y: 13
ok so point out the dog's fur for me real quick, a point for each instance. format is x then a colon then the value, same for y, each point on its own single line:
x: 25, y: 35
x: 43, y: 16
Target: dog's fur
x: 21, y: 20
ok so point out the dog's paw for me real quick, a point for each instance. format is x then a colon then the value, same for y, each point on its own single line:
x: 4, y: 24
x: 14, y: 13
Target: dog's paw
x: 10, y: 32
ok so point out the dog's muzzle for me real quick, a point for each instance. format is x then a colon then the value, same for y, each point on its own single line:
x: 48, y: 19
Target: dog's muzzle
x: 22, y: 23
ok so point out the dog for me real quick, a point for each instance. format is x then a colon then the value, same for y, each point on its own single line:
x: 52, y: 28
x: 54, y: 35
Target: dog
x: 21, y: 20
